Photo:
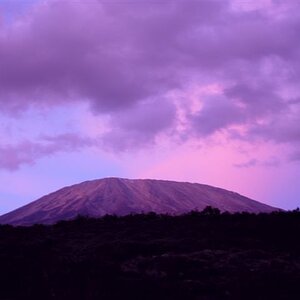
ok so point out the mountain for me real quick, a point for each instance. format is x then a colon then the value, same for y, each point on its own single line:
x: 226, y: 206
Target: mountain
x: 124, y: 196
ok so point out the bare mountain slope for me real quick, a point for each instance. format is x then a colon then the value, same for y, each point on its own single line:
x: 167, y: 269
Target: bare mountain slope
x: 123, y: 196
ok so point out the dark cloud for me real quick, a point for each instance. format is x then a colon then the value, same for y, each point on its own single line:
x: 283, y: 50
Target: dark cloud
x: 138, y: 126
x: 257, y: 100
x: 124, y: 58
x: 217, y: 113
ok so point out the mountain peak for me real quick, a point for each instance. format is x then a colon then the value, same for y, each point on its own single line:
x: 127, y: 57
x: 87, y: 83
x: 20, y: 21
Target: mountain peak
x: 123, y: 196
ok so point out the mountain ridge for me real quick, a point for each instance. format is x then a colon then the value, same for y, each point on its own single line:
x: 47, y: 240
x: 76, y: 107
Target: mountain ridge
x: 121, y: 196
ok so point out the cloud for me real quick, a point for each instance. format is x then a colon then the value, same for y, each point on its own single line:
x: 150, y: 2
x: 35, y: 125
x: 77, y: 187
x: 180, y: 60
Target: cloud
x: 124, y: 59
x: 140, y: 125
x: 13, y: 156
x: 250, y: 163
x: 282, y: 127
x: 114, y: 55
x: 271, y: 162
x: 295, y: 157
x: 217, y: 113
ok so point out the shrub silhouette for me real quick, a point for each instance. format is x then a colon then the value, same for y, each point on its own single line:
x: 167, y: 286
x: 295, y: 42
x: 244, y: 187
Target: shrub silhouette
x: 211, y: 211
x: 198, y: 255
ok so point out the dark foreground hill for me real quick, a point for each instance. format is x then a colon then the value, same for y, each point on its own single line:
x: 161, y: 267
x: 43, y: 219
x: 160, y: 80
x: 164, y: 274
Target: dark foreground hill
x: 122, y: 196
x: 194, y: 256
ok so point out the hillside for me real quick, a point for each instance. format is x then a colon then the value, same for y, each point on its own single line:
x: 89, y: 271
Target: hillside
x: 124, y: 196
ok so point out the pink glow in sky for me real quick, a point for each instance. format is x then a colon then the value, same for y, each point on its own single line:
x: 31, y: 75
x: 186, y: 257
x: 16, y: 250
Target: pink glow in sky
x: 197, y: 90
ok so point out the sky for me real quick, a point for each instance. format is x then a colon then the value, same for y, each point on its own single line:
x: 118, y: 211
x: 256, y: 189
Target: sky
x: 198, y: 90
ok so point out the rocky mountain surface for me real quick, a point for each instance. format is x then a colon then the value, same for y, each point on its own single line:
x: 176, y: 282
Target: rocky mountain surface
x: 124, y: 196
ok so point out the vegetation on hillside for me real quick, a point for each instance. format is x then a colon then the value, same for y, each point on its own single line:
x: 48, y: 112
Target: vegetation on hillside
x: 199, y: 255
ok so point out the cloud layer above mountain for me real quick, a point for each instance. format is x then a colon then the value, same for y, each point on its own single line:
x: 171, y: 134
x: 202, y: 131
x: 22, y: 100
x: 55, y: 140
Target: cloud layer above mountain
x: 151, y: 71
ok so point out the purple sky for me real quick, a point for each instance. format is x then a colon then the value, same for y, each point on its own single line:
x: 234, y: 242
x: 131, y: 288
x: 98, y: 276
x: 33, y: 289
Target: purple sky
x: 197, y: 90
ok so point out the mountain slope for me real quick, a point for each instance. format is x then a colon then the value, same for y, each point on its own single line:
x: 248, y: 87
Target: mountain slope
x: 124, y: 196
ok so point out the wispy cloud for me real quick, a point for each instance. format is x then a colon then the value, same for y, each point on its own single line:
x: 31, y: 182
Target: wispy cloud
x: 13, y: 156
